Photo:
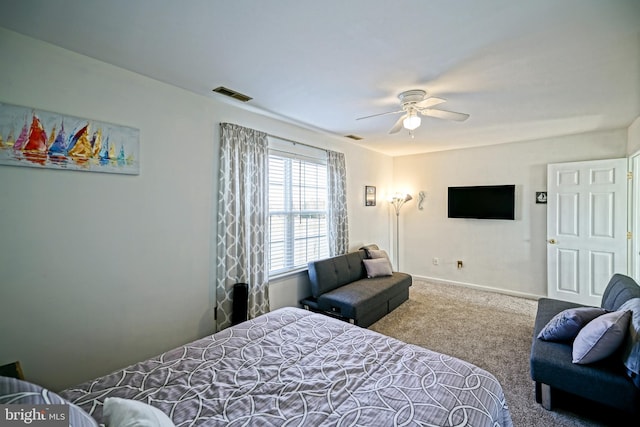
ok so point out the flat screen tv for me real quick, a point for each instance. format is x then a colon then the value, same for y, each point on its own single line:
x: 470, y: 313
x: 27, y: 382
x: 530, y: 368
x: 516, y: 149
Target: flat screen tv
x: 482, y: 202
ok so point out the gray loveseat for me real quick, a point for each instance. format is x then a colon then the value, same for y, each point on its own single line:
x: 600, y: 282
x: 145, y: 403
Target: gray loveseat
x: 340, y: 288
x: 606, y: 381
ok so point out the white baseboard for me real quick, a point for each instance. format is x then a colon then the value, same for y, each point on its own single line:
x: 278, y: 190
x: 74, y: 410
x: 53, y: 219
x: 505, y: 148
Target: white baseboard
x: 480, y: 287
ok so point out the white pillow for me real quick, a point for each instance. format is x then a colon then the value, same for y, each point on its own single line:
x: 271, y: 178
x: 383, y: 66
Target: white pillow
x: 133, y: 413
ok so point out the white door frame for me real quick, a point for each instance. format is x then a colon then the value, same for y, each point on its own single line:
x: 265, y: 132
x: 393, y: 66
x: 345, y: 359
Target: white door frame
x: 634, y: 216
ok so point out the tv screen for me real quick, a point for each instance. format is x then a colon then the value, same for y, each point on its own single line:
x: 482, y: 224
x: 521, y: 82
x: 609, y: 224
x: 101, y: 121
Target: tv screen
x: 483, y: 202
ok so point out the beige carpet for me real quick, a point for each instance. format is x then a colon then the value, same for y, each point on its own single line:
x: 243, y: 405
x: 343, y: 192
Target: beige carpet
x: 492, y: 331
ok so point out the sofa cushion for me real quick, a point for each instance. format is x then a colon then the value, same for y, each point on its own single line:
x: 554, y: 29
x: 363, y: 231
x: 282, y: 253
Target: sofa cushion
x: 620, y: 289
x: 565, y: 325
x: 631, y: 346
x: 378, y: 267
x: 356, y: 298
x: 331, y: 273
x: 601, y: 337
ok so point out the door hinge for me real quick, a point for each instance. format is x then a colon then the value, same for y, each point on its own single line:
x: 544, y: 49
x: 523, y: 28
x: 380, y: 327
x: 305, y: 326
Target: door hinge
x: 629, y: 235
x: 629, y: 175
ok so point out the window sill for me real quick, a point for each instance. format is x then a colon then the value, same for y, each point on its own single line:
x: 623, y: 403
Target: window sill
x: 287, y: 274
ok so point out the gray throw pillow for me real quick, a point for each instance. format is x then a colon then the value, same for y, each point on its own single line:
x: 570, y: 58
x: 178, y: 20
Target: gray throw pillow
x: 377, y: 267
x: 631, y: 346
x: 565, y: 325
x: 379, y: 253
x: 367, y: 248
x: 601, y: 337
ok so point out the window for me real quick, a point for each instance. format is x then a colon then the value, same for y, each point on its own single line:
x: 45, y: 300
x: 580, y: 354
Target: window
x: 297, y: 211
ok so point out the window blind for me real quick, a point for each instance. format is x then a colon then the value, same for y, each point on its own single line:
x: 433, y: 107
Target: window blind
x: 297, y: 211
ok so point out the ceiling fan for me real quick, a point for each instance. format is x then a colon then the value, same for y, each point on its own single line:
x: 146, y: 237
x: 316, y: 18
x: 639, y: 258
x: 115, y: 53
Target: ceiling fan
x: 415, y: 102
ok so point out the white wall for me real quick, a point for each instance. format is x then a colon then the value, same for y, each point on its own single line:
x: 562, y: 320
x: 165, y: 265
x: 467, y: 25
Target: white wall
x: 633, y: 136
x: 98, y: 270
x: 507, y: 255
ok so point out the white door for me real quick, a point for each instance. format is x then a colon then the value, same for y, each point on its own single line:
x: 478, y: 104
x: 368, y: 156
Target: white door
x: 586, y: 228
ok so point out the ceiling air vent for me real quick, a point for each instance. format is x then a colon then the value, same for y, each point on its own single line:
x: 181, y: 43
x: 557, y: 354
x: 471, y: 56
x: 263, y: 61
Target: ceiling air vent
x: 354, y: 137
x: 232, y: 94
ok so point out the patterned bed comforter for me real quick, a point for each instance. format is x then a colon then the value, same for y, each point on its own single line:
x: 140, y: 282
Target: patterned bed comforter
x: 292, y: 367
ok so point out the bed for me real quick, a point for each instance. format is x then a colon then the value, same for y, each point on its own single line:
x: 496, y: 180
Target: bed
x: 296, y: 368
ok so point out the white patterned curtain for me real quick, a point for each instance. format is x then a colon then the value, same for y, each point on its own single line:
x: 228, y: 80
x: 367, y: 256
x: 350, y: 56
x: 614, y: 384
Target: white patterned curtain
x: 337, y: 212
x: 242, y: 220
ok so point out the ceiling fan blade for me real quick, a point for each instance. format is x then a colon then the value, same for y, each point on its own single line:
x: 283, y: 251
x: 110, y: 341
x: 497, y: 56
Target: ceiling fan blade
x: 430, y: 102
x: 380, y: 114
x: 443, y: 114
x: 396, y: 127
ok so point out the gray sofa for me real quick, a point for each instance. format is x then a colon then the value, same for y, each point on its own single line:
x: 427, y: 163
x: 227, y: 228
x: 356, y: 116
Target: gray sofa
x: 606, y: 381
x: 340, y: 288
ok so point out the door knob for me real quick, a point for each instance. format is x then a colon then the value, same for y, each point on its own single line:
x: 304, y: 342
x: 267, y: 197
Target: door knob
x: 552, y: 241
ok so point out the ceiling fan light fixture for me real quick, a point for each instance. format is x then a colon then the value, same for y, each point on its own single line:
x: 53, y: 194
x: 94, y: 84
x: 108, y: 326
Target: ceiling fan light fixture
x: 415, y: 103
x: 412, y: 121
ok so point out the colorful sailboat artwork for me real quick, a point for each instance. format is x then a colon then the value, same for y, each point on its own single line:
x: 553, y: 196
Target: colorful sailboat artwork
x: 43, y: 142
x: 58, y: 149
x: 35, y: 149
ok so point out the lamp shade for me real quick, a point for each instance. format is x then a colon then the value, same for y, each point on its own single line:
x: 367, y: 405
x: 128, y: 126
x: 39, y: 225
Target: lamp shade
x: 398, y: 200
x: 411, y: 122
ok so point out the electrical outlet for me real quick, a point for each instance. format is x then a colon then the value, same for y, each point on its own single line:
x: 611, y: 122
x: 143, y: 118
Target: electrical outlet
x: 459, y: 264
x: 436, y: 261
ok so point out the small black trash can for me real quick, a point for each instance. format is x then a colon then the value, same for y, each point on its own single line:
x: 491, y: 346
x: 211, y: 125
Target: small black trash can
x: 240, y: 300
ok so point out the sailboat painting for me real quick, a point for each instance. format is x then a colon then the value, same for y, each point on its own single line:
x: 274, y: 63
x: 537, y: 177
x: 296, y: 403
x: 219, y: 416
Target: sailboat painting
x: 43, y: 139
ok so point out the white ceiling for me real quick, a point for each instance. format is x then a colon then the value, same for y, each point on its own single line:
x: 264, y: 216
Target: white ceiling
x: 522, y: 69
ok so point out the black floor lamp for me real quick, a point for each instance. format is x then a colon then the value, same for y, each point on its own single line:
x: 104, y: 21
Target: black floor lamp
x: 398, y: 201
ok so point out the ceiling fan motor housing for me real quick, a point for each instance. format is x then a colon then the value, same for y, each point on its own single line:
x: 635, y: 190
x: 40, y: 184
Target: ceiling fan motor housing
x: 412, y: 96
